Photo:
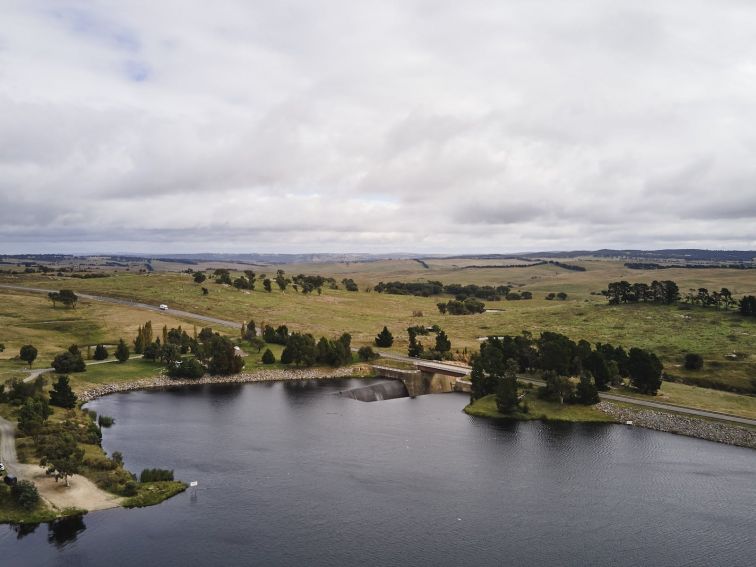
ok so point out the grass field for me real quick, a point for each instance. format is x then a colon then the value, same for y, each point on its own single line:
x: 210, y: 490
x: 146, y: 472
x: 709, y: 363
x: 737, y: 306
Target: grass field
x: 668, y: 330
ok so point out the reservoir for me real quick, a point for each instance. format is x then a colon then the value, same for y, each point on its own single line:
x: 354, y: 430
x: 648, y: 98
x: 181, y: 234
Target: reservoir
x: 292, y: 473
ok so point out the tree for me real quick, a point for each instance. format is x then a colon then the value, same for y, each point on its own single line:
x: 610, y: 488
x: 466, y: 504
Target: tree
x: 199, y: 277
x: 62, y: 456
x: 366, y: 354
x: 61, y: 394
x: 32, y: 415
x: 596, y: 364
x: 268, y: 357
x: 2, y: 347
x: 384, y: 339
x: 281, y: 280
x: 693, y: 361
x: 747, y: 306
x: 645, y: 371
x: 558, y: 388
x: 100, y: 353
x: 443, y: 344
x: 187, y: 368
x: 441, y: 308
x: 28, y: 354
x: 300, y: 350
x: 122, y: 351
x: 415, y: 347
x: 268, y: 285
x: 487, y: 368
x: 67, y: 362
x: 223, y: 357
x: 586, y: 392
x: 506, y: 388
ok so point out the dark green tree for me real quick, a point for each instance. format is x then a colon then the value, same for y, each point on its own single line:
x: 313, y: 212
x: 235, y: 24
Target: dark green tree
x: 506, y: 388
x: 100, y: 353
x: 586, y: 392
x: 268, y: 357
x: 25, y: 494
x: 268, y: 285
x: 300, y: 350
x: 122, y: 351
x: 645, y: 371
x: 67, y: 362
x: 487, y: 368
x: 693, y: 361
x: 32, y: 415
x: 366, y: 354
x: 199, y: 277
x: 224, y: 359
x: 28, y: 354
x: 61, y: 394
x: 443, y: 344
x: 384, y: 339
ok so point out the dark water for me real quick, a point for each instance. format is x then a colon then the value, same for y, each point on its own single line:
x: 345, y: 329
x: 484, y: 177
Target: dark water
x: 293, y: 474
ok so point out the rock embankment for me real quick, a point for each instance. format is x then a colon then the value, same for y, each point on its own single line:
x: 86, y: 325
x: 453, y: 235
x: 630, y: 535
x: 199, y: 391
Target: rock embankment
x: 682, y: 425
x: 265, y: 375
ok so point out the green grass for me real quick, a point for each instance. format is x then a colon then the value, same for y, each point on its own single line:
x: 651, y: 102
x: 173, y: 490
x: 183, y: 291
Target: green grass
x: 113, y: 372
x: 538, y: 409
x: 151, y: 493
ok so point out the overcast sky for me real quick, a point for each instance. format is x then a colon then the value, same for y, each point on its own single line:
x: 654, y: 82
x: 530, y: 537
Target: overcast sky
x: 408, y: 125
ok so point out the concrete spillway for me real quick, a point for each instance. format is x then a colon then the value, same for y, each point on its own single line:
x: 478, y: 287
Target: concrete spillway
x: 376, y: 392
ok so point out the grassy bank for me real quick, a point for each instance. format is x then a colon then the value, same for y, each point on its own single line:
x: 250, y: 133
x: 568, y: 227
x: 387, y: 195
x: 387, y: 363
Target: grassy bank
x: 151, y: 493
x: 538, y: 409
x: 12, y: 513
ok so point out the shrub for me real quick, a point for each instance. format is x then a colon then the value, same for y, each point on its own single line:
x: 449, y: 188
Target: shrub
x: 130, y: 488
x: 25, y: 494
x: 366, y: 354
x: 693, y: 361
x: 187, y: 368
x: 268, y: 357
x: 100, y: 353
x: 155, y: 475
x: 67, y: 362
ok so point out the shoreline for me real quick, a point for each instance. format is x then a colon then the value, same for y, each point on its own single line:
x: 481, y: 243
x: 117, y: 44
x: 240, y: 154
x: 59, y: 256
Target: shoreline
x: 718, y: 432
x: 263, y: 375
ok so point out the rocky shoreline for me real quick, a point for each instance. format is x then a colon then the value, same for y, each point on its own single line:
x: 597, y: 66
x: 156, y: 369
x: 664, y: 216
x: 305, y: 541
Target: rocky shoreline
x: 264, y: 375
x: 682, y: 425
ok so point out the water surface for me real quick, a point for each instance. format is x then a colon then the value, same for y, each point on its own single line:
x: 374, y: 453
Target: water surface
x: 293, y: 474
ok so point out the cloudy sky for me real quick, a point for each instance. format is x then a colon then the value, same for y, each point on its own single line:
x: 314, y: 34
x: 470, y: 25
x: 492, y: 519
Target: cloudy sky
x: 408, y: 125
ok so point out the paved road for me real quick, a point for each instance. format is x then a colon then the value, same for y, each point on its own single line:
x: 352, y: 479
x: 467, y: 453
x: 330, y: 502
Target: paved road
x: 438, y: 365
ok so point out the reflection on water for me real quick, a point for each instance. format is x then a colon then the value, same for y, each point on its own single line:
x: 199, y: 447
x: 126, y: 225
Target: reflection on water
x: 60, y: 532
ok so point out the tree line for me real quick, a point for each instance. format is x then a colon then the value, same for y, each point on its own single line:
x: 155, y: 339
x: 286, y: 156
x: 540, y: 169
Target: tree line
x: 558, y: 357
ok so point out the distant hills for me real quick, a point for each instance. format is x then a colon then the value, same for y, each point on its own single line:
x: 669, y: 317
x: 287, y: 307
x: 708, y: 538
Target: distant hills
x: 676, y: 255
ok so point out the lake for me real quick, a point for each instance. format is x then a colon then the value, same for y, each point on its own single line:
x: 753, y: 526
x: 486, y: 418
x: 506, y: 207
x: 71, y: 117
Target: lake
x: 291, y: 473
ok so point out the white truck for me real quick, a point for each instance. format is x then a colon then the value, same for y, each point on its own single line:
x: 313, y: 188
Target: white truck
x: 163, y: 307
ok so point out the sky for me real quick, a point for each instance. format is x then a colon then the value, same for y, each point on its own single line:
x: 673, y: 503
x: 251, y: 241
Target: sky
x: 375, y: 126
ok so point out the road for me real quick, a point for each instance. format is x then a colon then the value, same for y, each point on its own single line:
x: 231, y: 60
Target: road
x: 8, y: 446
x: 438, y: 365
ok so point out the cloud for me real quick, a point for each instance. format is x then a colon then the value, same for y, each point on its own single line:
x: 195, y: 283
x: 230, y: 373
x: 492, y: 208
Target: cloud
x: 293, y: 126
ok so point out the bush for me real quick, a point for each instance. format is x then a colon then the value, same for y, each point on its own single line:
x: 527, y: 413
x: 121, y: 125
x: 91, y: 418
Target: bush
x: 155, y: 475
x: 187, y: 368
x: 67, y: 362
x: 693, y: 361
x: 130, y: 488
x: 366, y: 354
x: 100, y: 353
x: 268, y: 357
x: 25, y: 494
